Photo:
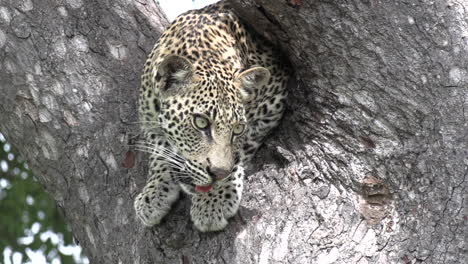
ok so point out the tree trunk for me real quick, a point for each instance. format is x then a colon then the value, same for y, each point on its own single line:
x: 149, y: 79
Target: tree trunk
x: 368, y: 166
x: 375, y: 140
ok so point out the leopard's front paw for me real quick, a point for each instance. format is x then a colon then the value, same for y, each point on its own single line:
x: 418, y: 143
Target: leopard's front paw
x: 210, y: 210
x: 148, y: 211
x: 206, y: 222
x: 207, y: 215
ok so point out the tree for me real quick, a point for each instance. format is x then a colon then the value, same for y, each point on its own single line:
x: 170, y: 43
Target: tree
x: 369, y: 164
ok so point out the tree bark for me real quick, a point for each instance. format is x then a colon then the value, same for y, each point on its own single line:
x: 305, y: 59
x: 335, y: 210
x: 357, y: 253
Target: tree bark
x: 369, y: 165
x: 375, y: 139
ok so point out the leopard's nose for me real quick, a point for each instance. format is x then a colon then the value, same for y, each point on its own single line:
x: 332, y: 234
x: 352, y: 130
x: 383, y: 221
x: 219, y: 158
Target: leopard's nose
x: 220, y: 173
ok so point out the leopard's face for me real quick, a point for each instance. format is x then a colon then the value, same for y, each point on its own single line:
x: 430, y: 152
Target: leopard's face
x: 207, y: 132
x: 202, y: 115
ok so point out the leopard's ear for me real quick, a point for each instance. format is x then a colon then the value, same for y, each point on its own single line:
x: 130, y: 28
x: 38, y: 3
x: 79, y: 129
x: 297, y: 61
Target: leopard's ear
x: 173, y: 74
x: 251, y: 80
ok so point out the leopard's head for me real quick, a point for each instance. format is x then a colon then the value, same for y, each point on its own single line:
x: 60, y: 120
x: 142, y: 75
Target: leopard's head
x: 202, y: 114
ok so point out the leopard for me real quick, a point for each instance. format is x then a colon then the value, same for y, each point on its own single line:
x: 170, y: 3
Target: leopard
x: 211, y: 90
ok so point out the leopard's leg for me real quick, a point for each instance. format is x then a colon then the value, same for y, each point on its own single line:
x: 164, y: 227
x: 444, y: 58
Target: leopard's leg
x: 159, y: 193
x: 210, y: 210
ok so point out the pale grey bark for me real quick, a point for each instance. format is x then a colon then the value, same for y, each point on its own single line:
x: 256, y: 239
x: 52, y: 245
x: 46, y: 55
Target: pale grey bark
x: 368, y: 166
x: 375, y: 140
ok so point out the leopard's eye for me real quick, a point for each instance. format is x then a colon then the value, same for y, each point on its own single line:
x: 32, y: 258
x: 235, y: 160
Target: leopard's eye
x: 238, y: 129
x: 200, y: 122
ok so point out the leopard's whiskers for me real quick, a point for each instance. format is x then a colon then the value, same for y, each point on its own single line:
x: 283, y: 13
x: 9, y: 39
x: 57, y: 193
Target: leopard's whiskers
x: 168, y: 156
x: 173, y: 159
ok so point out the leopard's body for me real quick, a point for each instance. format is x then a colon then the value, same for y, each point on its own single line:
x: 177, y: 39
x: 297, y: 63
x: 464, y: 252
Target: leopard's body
x: 211, y: 91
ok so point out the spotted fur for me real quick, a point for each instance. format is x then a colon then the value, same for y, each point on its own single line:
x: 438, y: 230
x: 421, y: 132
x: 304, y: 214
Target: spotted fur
x: 207, y: 68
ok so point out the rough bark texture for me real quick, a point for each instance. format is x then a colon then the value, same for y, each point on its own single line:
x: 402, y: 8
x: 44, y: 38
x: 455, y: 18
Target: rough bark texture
x: 376, y: 137
x: 369, y: 166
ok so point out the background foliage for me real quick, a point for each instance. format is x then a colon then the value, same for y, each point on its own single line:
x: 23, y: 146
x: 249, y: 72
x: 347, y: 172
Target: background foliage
x: 31, y: 228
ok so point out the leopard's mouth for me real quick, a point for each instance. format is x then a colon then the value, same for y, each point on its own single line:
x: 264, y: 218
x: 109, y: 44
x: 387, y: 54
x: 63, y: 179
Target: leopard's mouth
x: 205, y: 188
